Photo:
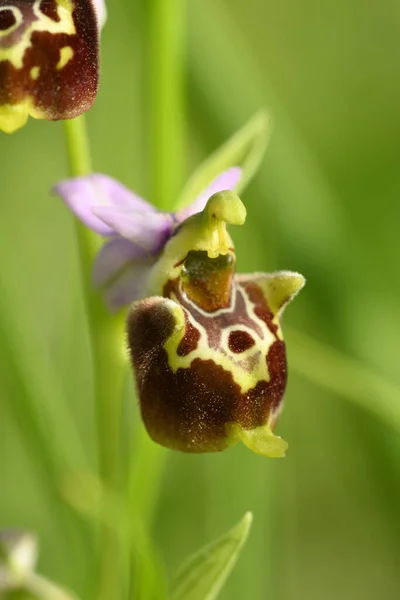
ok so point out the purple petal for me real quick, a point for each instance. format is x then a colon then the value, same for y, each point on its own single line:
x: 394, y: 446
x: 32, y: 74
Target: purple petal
x: 114, y: 256
x: 149, y: 231
x: 128, y: 286
x: 227, y: 180
x: 81, y: 194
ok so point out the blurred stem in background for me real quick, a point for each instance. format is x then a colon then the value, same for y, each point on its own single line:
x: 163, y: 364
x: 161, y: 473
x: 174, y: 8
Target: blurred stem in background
x: 106, y: 342
x: 166, y: 131
x: 165, y: 88
x: 166, y: 50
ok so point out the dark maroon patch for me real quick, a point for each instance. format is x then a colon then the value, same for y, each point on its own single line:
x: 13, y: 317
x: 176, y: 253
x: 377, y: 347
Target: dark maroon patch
x: 49, y: 8
x: 58, y: 93
x: 190, y: 340
x: 261, y: 308
x: 277, y: 368
x: 7, y: 19
x: 239, y: 341
x: 266, y: 396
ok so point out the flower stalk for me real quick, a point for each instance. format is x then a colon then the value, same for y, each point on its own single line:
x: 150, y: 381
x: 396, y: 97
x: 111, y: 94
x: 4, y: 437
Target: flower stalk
x: 106, y: 342
x: 166, y: 92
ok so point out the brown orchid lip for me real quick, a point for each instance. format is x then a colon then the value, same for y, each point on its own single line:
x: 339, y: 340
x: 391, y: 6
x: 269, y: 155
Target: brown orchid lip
x: 205, y: 374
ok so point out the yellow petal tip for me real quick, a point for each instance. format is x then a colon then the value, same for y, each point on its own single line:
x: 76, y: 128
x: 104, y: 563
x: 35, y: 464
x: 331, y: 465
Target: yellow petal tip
x: 262, y: 441
x: 13, y: 118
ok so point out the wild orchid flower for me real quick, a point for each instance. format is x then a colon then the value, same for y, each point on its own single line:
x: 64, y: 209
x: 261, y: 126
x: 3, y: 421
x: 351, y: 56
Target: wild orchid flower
x: 206, y: 344
x: 49, y: 59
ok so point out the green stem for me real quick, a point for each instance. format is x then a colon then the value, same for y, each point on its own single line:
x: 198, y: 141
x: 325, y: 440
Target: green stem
x: 78, y: 149
x: 166, y: 67
x: 106, y: 340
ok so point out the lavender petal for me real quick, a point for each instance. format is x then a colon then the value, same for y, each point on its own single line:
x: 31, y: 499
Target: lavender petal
x: 81, y: 194
x: 148, y: 231
x: 114, y: 256
x: 128, y: 286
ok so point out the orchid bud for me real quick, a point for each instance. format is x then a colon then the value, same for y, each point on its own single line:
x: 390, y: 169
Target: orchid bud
x: 207, y: 346
x: 49, y: 59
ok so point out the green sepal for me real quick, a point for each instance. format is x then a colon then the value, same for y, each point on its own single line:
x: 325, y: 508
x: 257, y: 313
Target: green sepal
x: 279, y: 288
x: 245, y: 149
x: 204, y: 574
x: 262, y: 440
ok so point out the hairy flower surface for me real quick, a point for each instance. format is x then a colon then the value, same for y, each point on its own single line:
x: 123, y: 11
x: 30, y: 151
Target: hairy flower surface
x: 49, y: 65
x: 206, y: 344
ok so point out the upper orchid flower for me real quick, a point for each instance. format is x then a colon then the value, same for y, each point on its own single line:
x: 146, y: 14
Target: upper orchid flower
x: 49, y: 59
x: 136, y: 230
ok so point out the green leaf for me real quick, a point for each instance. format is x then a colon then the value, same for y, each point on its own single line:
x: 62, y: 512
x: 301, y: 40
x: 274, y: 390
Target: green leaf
x: 203, y: 575
x: 245, y: 149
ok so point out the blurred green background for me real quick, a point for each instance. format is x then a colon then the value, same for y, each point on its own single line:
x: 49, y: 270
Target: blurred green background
x: 326, y: 203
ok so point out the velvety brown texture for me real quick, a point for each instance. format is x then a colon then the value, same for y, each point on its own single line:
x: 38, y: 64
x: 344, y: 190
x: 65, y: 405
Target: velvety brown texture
x: 188, y: 410
x: 192, y: 408
x: 58, y: 93
x: 239, y: 341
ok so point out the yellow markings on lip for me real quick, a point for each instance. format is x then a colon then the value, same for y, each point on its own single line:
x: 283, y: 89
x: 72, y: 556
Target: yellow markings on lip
x: 34, y: 73
x: 230, y: 362
x: 16, y: 53
x: 66, y: 54
x: 13, y: 117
